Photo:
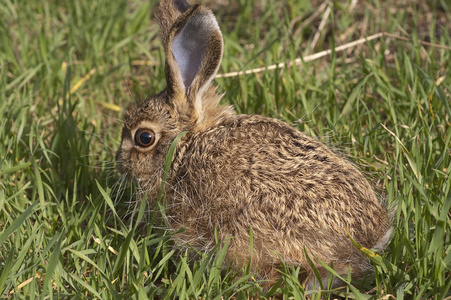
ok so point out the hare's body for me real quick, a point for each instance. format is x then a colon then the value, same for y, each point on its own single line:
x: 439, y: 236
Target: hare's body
x: 236, y: 173
x: 289, y: 188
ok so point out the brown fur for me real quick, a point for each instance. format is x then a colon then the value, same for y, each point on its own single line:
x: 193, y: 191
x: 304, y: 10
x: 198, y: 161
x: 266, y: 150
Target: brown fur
x: 236, y: 172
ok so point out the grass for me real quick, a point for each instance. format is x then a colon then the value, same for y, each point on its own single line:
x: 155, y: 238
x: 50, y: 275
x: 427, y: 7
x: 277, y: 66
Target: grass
x: 67, y: 230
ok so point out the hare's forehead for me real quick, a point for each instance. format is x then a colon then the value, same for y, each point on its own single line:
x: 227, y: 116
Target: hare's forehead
x: 147, y: 112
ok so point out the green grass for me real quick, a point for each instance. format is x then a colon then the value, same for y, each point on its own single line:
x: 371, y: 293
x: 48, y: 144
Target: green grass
x: 68, y: 230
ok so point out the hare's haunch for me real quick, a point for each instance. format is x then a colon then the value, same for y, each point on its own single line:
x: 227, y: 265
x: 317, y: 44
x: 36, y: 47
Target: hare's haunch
x: 234, y: 172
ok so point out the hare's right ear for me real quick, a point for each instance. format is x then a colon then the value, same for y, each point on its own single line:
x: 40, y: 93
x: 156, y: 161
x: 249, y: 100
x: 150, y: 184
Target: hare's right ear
x: 193, y: 47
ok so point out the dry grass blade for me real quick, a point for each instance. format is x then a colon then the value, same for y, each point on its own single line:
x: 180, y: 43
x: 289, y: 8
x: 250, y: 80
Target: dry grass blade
x: 324, y: 53
x: 300, y: 61
x: 320, y: 28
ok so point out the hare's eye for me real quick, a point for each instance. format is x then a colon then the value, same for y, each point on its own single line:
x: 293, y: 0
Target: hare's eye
x: 144, y: 137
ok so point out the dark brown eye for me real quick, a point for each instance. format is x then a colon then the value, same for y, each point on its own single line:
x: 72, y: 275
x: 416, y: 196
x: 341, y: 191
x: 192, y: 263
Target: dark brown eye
x: 144, y: 137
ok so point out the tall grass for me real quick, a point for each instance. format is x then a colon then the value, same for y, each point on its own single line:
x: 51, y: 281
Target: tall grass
x: 68, y: 228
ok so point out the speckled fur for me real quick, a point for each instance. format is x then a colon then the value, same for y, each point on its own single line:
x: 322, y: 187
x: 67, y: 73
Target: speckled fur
x: 235, y: 172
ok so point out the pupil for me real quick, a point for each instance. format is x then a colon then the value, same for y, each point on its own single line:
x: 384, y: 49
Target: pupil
x: 145, y: 138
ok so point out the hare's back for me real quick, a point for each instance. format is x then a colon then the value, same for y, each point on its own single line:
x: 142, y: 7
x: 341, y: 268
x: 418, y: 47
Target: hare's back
x: 258, y: 170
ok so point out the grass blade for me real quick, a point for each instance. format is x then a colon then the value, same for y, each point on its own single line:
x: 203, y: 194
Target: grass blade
x: 16, y: 223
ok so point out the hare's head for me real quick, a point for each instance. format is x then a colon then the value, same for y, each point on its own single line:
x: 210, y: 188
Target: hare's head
x: 193, y: 49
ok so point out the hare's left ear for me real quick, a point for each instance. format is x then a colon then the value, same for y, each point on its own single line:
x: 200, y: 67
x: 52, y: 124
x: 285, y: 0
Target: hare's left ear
x: 194, y: 49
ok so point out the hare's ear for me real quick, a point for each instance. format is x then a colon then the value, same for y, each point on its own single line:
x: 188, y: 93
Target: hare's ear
x: 193, y: 53
x: 166, y: 13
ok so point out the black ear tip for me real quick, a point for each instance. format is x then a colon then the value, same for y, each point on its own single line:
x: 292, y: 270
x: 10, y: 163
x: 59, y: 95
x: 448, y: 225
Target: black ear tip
x: 181, y: 5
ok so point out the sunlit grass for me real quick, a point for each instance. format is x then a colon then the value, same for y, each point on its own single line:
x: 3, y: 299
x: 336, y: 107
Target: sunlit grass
x: 68, y: 228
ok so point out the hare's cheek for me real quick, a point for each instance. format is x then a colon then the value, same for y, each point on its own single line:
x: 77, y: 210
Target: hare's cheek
x: 142, y: 169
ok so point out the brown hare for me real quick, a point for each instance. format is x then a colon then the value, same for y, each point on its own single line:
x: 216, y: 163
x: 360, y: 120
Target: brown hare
x: 231, y: 172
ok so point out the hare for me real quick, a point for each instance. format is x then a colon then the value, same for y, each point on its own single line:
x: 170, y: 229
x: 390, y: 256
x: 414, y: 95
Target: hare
x: 231, y: 173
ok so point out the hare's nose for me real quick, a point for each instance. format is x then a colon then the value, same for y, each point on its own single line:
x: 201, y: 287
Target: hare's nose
x: 119, y: 161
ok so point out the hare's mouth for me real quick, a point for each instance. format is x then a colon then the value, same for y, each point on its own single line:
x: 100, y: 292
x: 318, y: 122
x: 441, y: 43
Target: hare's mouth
x: 122, y: 169
x: 125, y: 169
